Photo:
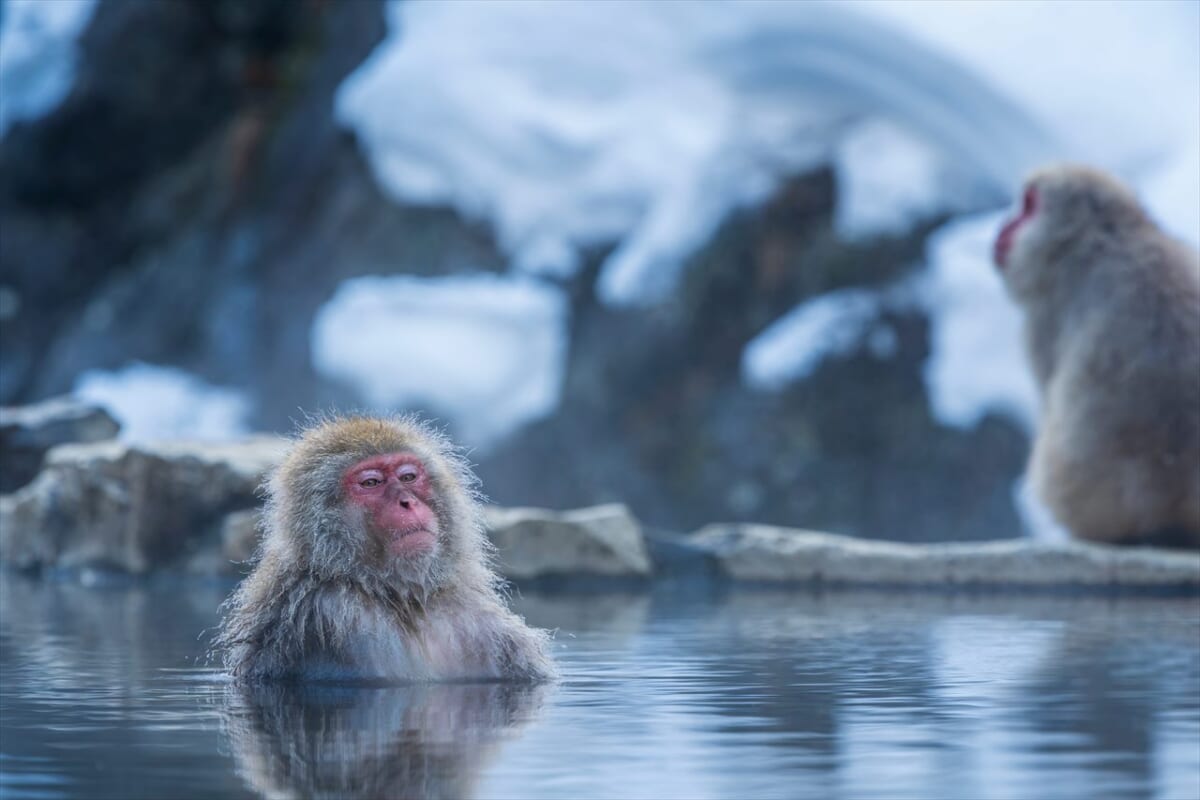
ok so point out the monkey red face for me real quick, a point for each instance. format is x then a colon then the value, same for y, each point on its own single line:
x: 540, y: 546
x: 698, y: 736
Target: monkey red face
x: 1004, y: 241
x: 395, y: 495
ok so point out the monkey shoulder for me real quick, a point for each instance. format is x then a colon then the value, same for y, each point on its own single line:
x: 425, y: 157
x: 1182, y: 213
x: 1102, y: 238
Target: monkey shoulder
x: 354, y: 632
x: 481, y: 639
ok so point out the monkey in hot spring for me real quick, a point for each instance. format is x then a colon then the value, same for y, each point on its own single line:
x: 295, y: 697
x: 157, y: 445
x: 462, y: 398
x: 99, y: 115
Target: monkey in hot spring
x: 374, y: 566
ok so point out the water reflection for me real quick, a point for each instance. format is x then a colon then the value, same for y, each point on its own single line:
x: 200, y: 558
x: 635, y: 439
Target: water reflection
x: 346, y: 742
x: 104, y: 693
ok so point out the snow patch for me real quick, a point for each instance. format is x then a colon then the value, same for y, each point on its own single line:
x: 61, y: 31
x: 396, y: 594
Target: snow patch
x: 794, y: 346
x: 1037, y: 520
x: 153, y: 402
x: 487, y: 352
x: 887, y: 179
x: 1172, y: 192
x: 37, y: 55
x: 977, y: 361
x: 826, y: 326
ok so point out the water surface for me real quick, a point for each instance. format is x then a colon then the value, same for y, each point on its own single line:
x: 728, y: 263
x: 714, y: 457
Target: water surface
x: 105, y: 693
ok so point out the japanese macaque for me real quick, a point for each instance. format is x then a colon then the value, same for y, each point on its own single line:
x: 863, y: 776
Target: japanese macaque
x: 1112, y: 325
x: 374, y: 567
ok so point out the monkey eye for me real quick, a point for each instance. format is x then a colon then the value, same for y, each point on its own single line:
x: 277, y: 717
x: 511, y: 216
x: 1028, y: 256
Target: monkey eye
x: 370, y: 482
x: 408, y: 477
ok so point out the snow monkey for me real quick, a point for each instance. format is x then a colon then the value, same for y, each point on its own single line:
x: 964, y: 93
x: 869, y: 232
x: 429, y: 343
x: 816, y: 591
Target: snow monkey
x: 374, y: 567
x: 1112, y: 328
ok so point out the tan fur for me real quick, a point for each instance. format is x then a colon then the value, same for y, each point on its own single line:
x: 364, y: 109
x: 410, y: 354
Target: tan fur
x: 1112, y: 323
x: 325, y: 602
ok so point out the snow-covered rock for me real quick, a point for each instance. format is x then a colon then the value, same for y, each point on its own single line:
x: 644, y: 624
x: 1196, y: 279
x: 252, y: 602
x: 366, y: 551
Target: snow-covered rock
x: 27, y: 432
x: 767, y: 554
x: 131, y: 507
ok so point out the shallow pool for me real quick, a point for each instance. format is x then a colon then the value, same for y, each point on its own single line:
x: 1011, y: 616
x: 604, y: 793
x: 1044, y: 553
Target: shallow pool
x: 104, y: 693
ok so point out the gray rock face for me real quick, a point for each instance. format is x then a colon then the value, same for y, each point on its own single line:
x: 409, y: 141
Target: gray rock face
x: 599, y: 541
x: 27, y: 432
x: 766, y: 554
x: 131, y: 507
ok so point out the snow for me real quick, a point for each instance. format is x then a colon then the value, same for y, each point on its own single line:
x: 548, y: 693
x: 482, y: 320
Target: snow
x: 154, y: 402
x: 1035, y: 517
x: 832, y: 324
x: 487, y: 352
x: 887, y: 178
x: 571, y: 124
x: 1117, y: 82
x: 37, y: 55
x: 977, y: 362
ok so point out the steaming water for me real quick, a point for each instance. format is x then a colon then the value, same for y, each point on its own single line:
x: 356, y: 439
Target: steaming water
x: 747, y: 694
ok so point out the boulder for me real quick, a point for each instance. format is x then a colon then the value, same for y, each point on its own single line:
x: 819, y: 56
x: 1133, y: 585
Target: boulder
x: 132, y: 507
x: 27, y: 432
x: 232, y: 551
x: 601, y: 541
x: 767, y: 554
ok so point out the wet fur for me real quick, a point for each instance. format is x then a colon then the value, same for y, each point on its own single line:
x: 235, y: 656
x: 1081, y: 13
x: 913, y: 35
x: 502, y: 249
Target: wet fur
x: 1112, y: 324
x: 324, y: 602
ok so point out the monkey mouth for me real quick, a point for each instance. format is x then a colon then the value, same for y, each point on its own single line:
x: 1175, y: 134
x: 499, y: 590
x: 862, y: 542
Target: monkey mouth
x: 406, y: 532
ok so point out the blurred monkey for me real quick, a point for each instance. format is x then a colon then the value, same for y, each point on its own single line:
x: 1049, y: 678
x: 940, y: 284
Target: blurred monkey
x: 1112, y: 328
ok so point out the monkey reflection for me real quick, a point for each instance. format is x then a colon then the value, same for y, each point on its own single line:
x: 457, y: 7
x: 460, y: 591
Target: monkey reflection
x: 427, y: 741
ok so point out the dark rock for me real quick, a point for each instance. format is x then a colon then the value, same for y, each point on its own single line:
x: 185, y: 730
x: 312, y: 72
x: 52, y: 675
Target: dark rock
x: 27, y: 432
x: 676, y: 555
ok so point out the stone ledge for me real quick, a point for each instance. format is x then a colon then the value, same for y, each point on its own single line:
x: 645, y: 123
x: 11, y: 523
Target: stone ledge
x: 771, y: 555
x: 192, y: 507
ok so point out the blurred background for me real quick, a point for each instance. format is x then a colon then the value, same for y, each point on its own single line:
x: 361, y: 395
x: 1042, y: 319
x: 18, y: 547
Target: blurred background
x: 719, y: 261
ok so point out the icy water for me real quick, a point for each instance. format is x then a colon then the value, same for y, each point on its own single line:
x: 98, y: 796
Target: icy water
x: 739, y: 695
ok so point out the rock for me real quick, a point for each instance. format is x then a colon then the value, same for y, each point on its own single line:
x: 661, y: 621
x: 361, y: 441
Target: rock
x: 27, y: 432
x: 766, y: 554
x: 131, y: 507
x: 602, y: 541
x: 231, y: 553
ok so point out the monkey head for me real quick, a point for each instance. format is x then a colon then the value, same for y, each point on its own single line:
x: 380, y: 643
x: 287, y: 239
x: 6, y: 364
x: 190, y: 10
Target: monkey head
x: 388, y: 495
x: 1067, y: 215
